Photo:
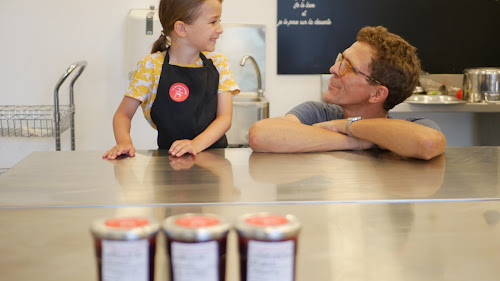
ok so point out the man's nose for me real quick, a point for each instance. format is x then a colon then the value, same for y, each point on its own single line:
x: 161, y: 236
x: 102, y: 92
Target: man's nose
x: 334, y: 69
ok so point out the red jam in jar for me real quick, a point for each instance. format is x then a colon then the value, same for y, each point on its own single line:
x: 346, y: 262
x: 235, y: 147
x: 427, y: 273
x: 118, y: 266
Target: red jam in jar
x: 267, y: 246
x: 125, y: 248
x: 196, y: 245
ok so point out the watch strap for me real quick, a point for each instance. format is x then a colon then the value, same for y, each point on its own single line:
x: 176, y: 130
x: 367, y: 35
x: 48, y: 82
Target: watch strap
x: 350, y: 120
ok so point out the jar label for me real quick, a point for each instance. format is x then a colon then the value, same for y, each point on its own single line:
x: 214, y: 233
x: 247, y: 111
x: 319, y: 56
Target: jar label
x: 267, y: 220
x: 195, y: 261
x: 197, y: 221
x: 125, y: 260
x: 270, y: 261
x: 126, y: 222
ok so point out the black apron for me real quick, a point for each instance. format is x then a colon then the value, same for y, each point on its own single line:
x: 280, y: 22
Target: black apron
x: 186, y: 102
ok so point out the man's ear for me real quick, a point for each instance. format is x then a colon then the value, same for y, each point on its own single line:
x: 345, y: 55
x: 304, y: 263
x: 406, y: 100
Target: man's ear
x: 379, y: 95
x: 180, y: 28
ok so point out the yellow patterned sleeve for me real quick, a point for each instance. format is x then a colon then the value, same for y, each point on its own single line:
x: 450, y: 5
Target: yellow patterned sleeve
x: 144, y: 83
x: 226, y: 78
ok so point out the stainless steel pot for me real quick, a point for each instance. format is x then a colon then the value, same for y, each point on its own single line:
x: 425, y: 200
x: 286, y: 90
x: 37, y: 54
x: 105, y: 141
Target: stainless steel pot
x: 481, y: 84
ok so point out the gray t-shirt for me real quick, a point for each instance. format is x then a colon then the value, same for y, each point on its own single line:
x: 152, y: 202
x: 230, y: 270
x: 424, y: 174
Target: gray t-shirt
x: 313, y: 112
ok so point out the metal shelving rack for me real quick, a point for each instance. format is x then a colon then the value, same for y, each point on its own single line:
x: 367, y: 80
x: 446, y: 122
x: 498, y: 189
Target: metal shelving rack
x: 43, y: 120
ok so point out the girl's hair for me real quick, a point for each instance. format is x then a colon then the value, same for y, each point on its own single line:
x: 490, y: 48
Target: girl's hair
x: 171, y: 11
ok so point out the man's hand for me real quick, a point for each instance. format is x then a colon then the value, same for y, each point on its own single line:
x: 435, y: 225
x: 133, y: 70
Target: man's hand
x: 339, y: 127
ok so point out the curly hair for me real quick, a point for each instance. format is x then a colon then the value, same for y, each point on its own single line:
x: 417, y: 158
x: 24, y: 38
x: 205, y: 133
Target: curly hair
x: 395, y: 63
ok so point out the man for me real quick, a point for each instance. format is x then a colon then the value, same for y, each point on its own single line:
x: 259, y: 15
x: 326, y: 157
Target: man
x: 378, y: 71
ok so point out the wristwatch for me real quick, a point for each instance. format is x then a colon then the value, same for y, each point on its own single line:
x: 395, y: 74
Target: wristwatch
x: 350, y: 120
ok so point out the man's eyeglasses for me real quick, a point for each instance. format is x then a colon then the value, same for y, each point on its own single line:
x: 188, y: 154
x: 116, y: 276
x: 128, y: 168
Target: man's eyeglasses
x: 345, y: 65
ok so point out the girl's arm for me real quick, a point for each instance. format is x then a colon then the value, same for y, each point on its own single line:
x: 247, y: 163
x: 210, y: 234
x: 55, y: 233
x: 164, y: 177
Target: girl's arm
x: 121, y: 127
x: 212, y: 133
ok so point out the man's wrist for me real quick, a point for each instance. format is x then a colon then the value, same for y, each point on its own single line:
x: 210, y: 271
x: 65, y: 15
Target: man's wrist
x: 349, y: 122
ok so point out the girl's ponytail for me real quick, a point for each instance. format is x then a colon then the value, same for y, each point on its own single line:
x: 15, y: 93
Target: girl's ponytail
x: 161, y: 43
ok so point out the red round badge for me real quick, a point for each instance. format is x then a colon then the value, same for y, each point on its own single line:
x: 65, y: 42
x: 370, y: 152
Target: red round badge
x: 179, y: 92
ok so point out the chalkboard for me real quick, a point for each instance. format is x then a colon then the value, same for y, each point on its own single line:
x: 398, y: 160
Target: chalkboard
x: 450, y: 35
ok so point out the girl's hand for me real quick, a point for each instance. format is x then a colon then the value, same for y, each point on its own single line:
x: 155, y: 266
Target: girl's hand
x: 182, y: 163
x: 119, y: 149
x: 181, y: 147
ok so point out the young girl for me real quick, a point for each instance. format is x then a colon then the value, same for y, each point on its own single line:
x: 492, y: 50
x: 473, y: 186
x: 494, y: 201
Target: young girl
x: 185, y: 92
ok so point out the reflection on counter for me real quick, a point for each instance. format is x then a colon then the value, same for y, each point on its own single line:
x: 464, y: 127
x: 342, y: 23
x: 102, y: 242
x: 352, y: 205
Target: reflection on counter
x: 238, y: 175
x: 166, y: 178
x: 381, y: 175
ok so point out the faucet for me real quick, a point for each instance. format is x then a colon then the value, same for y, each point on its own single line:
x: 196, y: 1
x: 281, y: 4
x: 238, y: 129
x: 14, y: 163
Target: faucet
x: 260, y: 91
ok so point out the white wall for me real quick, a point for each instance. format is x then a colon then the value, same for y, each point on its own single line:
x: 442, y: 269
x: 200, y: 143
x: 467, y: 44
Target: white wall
x: 40, y: 39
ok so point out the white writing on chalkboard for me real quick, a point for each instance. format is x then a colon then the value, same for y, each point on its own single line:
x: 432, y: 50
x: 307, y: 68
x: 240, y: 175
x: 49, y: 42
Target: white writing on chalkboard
x: 302, y: 5
x: 287, y: 22
x: 295, y: 22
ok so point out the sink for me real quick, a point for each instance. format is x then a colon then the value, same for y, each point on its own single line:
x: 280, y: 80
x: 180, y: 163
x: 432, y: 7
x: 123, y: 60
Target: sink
x: 433, y: 99
x: 248, y: 108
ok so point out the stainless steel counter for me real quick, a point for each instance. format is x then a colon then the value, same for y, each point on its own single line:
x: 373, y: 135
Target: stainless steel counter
x: 238, y: 176
x: 389, y: 241
x: 365, y: 215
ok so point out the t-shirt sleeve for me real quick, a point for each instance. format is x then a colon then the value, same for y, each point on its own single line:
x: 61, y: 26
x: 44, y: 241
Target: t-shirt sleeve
x: 144, y: 83
x: 227, y: 83
x: 313, y: 112
x: 142, y: 80
x: 426, y: 122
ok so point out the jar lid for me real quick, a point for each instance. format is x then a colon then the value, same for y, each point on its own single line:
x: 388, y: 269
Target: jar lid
x: 124, y: 228
x: 267, y: 226
x: 193, y: 227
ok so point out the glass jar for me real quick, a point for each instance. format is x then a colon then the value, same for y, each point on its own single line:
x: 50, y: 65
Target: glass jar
x: 196, y: 245
x: 267, y: 246
x: 125, y: 248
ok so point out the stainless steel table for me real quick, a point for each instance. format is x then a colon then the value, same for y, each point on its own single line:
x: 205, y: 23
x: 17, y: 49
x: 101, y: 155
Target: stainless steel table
x: 366, y: 215
x: 238, y: 176
x: 353, y: 241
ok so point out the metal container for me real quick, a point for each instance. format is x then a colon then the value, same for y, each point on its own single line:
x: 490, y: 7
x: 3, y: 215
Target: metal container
x: 481, y: 84
x: 248, y: 108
